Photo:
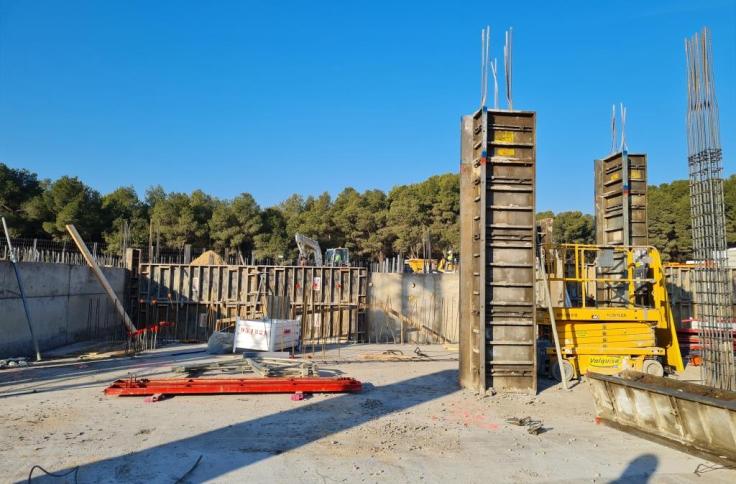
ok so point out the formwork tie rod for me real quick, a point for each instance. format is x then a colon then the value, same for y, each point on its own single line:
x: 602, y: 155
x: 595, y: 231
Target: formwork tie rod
x: 213, y: 386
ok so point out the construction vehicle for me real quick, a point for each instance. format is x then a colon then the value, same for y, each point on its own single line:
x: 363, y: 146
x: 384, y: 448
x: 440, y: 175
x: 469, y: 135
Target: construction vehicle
x: 611, y: 310
x: 310, y: 251
x: 448, y: 263
x: 422, y: 266
x: 419, y: 266
x: 338, y: 257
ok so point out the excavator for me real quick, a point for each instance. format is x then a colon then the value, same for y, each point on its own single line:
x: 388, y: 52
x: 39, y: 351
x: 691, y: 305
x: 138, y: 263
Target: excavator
x: 337, y: 257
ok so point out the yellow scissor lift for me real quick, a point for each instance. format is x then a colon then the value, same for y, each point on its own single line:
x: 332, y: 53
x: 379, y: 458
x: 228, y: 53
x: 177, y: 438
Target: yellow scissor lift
x: 611, y: 310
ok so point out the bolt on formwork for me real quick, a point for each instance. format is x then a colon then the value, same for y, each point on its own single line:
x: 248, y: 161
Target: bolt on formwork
x: 713, y: 291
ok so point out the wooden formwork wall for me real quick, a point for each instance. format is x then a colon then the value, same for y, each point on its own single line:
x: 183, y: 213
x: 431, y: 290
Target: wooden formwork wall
x: 497, y: 253
x: 331, y: 300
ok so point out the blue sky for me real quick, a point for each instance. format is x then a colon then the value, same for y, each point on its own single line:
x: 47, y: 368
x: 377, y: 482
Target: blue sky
x: 275, y: 98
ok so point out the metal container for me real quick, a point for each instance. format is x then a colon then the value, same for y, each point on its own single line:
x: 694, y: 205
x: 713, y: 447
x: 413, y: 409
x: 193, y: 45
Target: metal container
x: 267, y: 334
x: 693, y: 418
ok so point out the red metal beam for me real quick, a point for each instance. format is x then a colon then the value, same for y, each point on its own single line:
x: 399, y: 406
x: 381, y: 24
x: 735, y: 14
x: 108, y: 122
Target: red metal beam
x: 209, y: 386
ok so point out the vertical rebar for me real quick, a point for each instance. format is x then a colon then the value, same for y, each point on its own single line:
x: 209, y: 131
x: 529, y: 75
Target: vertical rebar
x: 713, y: 291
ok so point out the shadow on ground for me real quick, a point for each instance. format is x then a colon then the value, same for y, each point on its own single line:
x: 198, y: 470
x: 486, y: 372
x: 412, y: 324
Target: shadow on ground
x: 639, y: 470
x: 236, y: 446
x: 49, y: 376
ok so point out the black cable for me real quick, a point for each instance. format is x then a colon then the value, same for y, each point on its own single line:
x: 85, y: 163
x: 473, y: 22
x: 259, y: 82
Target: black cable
x: 52, y: 474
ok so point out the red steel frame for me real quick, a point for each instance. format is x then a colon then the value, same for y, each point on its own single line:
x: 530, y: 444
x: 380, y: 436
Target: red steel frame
x: 209, y: 386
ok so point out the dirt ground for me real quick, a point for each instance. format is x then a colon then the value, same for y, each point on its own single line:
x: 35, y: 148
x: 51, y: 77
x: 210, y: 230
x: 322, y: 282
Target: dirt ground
x: 412, y: 423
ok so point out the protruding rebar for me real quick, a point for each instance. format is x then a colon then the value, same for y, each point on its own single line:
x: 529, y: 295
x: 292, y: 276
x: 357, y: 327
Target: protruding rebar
x: 713, y: 290
x: 485, y: 48
x: 507, y: 60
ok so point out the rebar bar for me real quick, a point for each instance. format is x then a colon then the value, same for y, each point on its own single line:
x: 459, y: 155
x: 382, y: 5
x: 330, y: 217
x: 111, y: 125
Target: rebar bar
x: 713, y: 291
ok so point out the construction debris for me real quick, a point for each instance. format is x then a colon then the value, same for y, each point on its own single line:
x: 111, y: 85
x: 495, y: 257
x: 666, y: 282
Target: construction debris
x: 97, y: 355
x: 533, y: 427
x: 13, y: 362
x: 265, y: 367
x: 396, y: 355
x: 221, y: 342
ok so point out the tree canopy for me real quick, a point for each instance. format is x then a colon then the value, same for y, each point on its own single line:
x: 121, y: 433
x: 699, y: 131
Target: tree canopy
x: 372, y: 224
x: 18, y: 187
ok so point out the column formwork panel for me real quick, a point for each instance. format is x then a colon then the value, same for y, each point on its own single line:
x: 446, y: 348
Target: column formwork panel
x: 621, y: 199
x: 497, y: 253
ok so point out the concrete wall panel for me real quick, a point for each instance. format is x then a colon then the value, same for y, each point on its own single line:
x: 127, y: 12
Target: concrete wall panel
x: 58, y: 297
x: 430, y: 301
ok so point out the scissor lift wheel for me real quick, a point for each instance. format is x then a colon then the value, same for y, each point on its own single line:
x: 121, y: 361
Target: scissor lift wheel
x: 653, y: 367
x: 569, y: 371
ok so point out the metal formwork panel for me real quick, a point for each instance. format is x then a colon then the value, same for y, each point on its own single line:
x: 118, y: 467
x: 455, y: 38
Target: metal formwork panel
x: 684, y: 415
x: 498, y: 251
x: 621, y: 199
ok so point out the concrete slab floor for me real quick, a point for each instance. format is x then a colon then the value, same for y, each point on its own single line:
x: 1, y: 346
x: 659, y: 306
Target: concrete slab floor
x: 411, y: 424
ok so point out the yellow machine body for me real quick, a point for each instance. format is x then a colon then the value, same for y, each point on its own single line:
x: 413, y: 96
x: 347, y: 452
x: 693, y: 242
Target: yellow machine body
x: 607, y: 336
x: 419, y: 266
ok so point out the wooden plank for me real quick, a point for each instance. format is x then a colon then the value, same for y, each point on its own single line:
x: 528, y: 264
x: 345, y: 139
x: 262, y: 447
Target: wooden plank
x: 101, y: 277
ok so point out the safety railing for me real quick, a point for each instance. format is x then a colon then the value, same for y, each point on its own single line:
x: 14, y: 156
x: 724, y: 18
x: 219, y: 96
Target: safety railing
x: 604, y: 276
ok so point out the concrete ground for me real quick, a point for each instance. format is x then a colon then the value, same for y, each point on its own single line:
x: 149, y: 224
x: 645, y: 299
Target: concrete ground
x: 411, y: 424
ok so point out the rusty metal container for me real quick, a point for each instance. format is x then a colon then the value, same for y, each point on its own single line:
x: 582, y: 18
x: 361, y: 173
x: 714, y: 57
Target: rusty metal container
x: 693, y: 418
x: 497, y: 251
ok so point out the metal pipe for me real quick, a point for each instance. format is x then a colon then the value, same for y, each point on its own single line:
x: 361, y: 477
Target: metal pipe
x: 14, y: 261
x: 553, y: 322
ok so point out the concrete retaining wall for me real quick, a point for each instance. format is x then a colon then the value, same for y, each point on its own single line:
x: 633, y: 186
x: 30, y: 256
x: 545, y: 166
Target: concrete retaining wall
x: 425, y: 306
x: 59, y: 298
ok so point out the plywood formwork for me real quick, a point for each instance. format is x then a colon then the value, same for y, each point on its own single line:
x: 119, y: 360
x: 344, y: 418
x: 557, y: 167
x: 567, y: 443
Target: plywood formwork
x: 331, y: 300
x: 621, y: 199
x: 497, y: 268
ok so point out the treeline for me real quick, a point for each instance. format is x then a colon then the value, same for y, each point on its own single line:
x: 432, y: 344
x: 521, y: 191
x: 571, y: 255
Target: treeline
x: 372, y: 224
x: 668, y: 217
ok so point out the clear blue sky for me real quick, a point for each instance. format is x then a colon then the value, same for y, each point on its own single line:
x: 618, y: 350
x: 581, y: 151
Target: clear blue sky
x: 274, y: 98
